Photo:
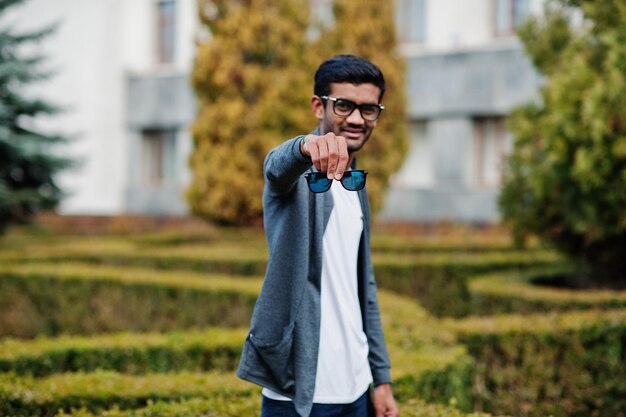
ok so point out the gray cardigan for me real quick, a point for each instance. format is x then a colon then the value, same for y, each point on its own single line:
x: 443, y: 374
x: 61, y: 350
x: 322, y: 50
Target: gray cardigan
x: 280, y: 352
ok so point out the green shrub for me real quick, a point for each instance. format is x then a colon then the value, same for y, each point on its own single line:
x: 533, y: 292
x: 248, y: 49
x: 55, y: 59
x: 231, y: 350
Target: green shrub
x: 567, y: 171
x: 571, y: 364
x: 463, y: 239
x: 450, y: 383
x: 439, y: 281
x: 416, y: 342
x: 99, y: 391
x: 79, y: 299
x: 131, y: 353
x: 432, y: 278
x: 247, y: 407
x: 521, y: 292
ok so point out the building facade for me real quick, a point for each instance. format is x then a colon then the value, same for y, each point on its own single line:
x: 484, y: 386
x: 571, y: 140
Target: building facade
x: 123, y: 78
x: 466, y: 71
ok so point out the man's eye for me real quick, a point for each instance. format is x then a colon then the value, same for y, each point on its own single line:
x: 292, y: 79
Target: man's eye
x: 369, y: 110
x: 343, y: 105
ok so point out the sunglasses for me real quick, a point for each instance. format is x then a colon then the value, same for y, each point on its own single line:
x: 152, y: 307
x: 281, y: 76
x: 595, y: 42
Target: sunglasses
x: 352, y: 181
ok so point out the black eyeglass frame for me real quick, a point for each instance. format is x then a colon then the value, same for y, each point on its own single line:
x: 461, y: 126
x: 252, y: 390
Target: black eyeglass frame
x: 310, y: 176
x: 354, y: 106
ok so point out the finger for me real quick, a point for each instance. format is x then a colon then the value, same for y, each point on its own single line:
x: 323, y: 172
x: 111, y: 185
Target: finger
x: 322, y: 146
x: 312, y: 147
x: 342, y: 159
x: 304, y: 147
x: 333, y: 157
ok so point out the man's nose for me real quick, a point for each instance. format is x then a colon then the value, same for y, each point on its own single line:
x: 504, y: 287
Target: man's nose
x: 355, y: 117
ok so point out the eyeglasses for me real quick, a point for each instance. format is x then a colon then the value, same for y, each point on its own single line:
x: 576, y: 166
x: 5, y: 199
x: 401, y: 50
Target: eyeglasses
x: 344, y: 108
x: 320, y: 183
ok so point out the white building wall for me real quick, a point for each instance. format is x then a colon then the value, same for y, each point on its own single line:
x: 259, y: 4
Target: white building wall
x: 457, y: 23
x: 461, y: 25
x: 101, y: 43
x: 97, y: 44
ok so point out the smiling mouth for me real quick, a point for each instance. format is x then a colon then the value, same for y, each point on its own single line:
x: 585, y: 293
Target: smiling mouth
x: 353, y: 134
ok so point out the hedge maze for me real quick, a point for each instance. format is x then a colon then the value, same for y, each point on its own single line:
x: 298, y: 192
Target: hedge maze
x: 152, y: 325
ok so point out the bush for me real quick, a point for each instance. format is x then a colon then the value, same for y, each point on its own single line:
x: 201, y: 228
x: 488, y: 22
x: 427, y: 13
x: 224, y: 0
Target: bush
x: 567, y: 172
x: 439, y: 282
x: 249, y: 407
x: 525, y: 293
x: 570, y: 364
x: 99, y: 391
x: 415, y: 341
x: 131, y: 353
x: 78, y: 299
x: 432, y: 278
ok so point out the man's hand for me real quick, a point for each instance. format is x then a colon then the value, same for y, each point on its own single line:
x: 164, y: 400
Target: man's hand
x: 384, y: 403
x: 329, y: 153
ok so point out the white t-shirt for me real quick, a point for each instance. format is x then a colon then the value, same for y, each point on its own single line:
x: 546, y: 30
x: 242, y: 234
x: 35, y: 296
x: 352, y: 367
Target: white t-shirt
x: 343, y: 372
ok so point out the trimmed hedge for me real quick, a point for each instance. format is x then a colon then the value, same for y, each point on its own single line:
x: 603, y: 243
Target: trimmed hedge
x: 121, y: 395
x: 433, y: 280
x: 250, y: 257
x: 99, y: 391
x: 570, y: 364
x: 237, y: 258
x: 416, y: 342
x: 469, y: 240
x: 439, y: 281
x: 53, y: 299
x: 243, y: 407
x: 131, y: 353
x: 514, y: 292
x: 434, y: 277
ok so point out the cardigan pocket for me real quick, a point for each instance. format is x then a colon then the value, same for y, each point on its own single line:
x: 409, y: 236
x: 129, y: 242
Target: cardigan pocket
x: 277, y: 358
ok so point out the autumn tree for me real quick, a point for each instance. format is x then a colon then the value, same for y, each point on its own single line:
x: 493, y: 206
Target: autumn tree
x: 566, y: 180
x: 367, y: 28
x: 27, y: 165
x: 253, y: 82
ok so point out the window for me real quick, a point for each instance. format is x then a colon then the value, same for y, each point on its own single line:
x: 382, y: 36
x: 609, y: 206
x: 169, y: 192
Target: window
x: 509, y: 14
x: 411, y: 20
x: 490, y: 146
x: 417, y: 170
x: 158, y: 157
x: 166, y: 31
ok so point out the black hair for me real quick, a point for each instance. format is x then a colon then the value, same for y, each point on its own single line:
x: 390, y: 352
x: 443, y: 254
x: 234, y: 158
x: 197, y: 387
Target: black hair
x: 347, y: 69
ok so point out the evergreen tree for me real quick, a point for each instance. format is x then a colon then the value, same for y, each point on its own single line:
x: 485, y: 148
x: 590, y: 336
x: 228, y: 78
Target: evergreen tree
x: 567, y: 174
x: 27, y: 168
x: 253, y: 83
x: 367, y: 28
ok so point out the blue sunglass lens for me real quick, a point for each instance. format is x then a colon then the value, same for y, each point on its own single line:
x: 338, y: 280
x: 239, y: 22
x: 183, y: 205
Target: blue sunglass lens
x: 318, y: 182
x: 353, y: 180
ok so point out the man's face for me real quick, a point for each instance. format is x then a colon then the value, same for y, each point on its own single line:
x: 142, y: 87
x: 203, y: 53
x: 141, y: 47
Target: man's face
x: 353, y: 128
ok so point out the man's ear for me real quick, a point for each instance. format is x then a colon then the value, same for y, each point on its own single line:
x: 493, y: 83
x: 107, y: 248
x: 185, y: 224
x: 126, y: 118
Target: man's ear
x: 317, y: 105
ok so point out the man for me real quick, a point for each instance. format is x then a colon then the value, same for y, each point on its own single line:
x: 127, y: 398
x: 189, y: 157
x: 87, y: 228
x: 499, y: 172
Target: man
x: 316, y: 341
